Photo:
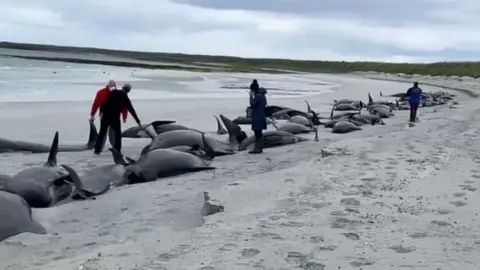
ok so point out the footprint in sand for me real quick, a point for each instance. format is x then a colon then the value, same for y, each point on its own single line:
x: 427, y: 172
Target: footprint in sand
x: 459, y: 203
x: 339, y: 213
x: 350, y: 192
x: 250, y: 252
x: 228, y: 247
x: 352, y: 211
x: 165, y: 257
x: 343, y: 223
x: 370, y: 179
x: 350, y: 201
x: 316, y: 239
x: 361, y: 262
x: 313, y: 266
x: 459, y: 194
x: 393, y: 162
x: 268, y: 235
x: 440, y: 223
x: 417, y: 235
x: 410, y: 147
x: 293, y: 224
x: 401, y: 249
x: 467, y: 187
x: 327, y: 248
x: 393, y: 174
x: 297, y: 257
x: 364, y: 164
x: 442, y: 211
x: 351, y: 236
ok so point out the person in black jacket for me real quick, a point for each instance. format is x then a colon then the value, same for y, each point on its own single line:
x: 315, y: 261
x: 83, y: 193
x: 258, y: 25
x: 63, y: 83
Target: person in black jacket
x: 111, y: 109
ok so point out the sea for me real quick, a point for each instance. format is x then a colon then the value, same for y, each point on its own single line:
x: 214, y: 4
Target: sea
x: 23, y: 80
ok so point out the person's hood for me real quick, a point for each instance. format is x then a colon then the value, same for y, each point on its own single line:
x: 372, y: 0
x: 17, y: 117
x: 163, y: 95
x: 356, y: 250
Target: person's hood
x: 262, y: 90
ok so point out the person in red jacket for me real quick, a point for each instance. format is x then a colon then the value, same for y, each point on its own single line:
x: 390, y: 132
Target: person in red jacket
x: 100, y: 98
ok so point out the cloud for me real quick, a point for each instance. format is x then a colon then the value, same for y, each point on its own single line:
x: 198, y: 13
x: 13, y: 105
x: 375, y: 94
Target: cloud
x: 374, y: 30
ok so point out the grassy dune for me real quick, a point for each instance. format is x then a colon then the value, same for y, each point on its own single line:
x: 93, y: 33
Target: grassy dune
x: 236, y: 64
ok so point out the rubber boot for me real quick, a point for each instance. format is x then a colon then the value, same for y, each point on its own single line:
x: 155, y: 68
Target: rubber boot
x: 258, y: 146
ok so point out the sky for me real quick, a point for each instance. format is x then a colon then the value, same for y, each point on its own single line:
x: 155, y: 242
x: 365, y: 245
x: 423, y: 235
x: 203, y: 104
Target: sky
x: 342, y: 30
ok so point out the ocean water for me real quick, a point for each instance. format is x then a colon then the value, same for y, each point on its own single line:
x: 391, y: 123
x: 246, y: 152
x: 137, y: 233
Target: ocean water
x: 24, y: 80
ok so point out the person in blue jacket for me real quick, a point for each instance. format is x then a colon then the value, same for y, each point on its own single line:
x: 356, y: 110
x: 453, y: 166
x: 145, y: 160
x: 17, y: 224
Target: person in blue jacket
x: 414, y: 95
x: 258, y: 103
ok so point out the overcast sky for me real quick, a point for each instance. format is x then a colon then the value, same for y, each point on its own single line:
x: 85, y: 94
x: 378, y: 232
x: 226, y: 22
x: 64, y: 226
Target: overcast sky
x: 385, y: 30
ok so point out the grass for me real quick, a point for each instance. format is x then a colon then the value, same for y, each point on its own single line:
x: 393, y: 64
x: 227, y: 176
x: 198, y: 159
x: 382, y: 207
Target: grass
x: 237, y: 64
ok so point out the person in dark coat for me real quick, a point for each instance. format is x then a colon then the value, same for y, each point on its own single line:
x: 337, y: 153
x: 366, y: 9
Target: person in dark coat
x: 414, y: 95
x: 258, y: 103
x: 111, y: 109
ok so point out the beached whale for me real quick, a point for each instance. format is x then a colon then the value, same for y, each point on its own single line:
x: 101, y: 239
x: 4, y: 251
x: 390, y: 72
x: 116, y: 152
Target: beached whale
x: 42, y: 186
x: 9, y: 146
x: 300, y: 119
x: 238, y: 138
x: 388, y: 105
x: 98, y: 180
x: 243, y: 120
x: 190, y: 138
x: 161, y: 163
x: 343, y: 101
x: 159, y: 127
x: 16, y: 216
x: 271, y: 138
x: 194, y: 150
x: 288, y: 113
x: 342, y: 127
x: 294, y: 128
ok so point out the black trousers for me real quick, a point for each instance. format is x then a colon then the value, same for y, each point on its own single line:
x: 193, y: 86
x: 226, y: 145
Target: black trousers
x: 113, y: 123
x: 413, y: 112
x: 258, y: 134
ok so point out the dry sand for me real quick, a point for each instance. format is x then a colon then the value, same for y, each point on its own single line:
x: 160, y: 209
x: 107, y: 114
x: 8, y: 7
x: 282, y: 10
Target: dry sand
x: 388, y: 197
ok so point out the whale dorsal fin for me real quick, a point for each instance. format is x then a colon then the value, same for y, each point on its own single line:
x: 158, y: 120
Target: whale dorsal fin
x: 52, y: 155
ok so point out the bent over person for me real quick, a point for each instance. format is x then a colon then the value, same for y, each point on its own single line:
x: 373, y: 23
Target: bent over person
x: 100, y: 98
x: 111, y: 109
x: 414, y: 95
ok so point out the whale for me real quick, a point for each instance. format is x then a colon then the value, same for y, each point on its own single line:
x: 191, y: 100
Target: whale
x: 42, y: 186
x: 16, y: 216
x: 162, y: 163
x: 96, y: 181
x: 11, y: 146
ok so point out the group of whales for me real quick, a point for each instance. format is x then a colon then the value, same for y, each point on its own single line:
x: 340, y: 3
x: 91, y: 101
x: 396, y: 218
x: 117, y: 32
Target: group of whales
x: 174, y: 149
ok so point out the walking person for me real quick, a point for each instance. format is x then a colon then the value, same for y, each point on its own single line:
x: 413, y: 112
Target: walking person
x: 414, y: 94
x: 111, y: 109
x: 258, y: 103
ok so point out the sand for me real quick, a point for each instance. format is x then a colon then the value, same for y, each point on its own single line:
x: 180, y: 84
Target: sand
x: 387, y: 197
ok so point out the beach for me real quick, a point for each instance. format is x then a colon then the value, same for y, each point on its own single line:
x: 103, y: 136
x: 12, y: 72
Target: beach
x: 385, y: 197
